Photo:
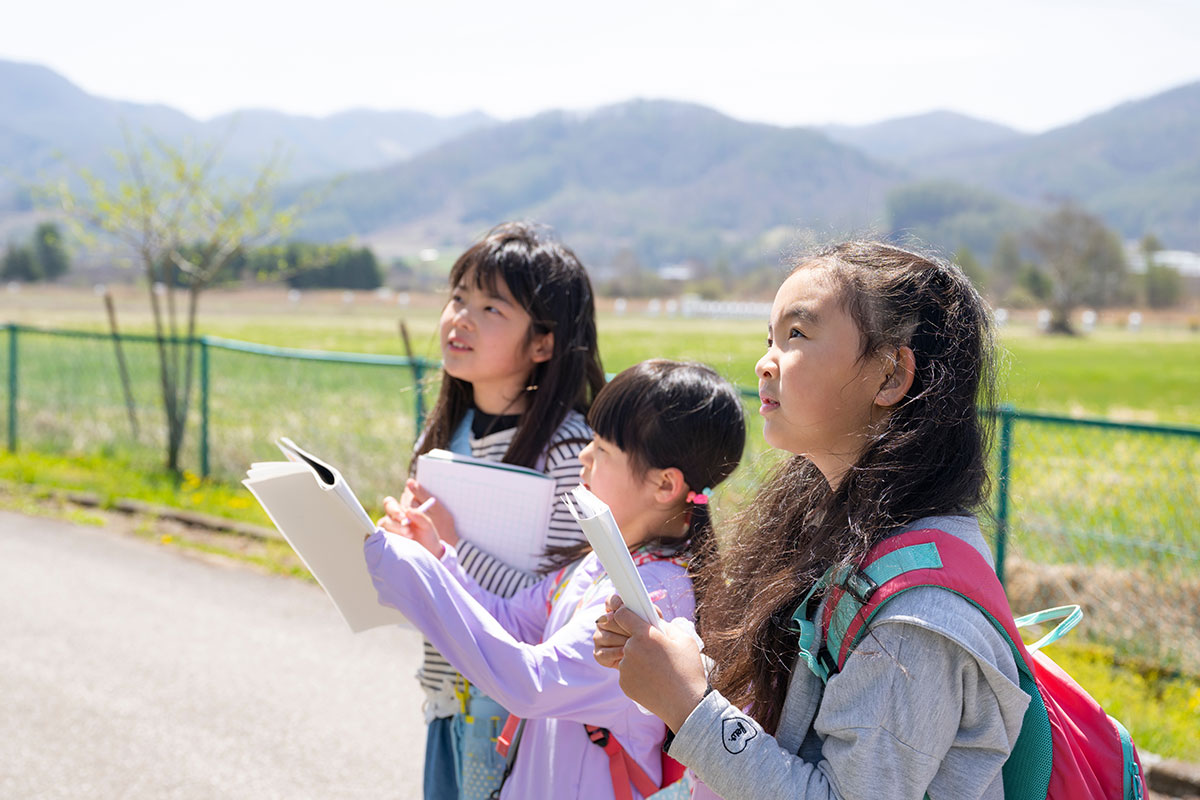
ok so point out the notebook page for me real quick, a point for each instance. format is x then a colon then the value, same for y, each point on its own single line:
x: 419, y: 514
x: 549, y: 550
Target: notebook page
x: 503, y: 511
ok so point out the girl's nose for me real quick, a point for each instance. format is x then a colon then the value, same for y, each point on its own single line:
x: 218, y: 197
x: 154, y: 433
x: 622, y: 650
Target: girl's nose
x: 765, y: 368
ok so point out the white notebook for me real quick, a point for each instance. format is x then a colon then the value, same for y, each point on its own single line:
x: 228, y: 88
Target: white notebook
x: 605, y: 538
x: 502, y: 508
x: 316, y: 511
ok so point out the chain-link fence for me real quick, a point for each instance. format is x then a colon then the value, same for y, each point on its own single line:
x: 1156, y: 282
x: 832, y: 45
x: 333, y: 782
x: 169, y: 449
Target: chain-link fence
x: 1105, y: 515
x: 1102, y: 514
x: 359, y: 412
x: 70, y: 392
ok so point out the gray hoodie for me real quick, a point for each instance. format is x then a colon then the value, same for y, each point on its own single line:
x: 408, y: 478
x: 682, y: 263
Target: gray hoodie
x: 928, y: 702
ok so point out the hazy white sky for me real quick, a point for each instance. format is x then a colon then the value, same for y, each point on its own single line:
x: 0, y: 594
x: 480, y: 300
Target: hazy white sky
x: 1031, y: 64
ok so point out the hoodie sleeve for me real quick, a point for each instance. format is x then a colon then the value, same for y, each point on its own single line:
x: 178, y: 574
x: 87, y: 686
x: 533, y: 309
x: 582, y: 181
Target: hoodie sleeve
x: 555, y: 678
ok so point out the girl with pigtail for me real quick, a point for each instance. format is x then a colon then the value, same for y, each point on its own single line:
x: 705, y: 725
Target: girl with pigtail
x: 665, y: 434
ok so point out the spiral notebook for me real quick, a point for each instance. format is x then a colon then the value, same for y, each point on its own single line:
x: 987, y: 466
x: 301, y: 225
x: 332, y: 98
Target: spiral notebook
x: 502, y: 508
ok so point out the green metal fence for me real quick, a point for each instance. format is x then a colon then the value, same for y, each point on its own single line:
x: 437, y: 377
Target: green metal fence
x: 1090, y: 511
x: 66, y: 394
x: 1106, y: 515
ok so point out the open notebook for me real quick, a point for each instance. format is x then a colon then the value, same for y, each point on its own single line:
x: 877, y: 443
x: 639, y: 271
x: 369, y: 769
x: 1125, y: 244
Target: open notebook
x: 316, y: 511
x: 502, y: 508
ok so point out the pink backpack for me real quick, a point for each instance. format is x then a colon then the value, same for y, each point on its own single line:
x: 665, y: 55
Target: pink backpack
x: 1068, y: 748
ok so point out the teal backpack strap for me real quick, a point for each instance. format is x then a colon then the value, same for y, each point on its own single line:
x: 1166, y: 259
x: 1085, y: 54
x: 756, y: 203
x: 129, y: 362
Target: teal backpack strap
x: 854, y: 588
x: 859, y: 585
x: 966, y: 573
x: 808, y: 640
x: 1132, y: 789
x: 1072, y: 614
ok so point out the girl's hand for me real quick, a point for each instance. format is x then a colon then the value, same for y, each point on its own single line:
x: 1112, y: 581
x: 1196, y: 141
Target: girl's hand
x: 412, y: 524
x: 660, y: 669
x: 439, y: 514
x: 396, y: 509
x: 394, y: 515
x: 608, y: 642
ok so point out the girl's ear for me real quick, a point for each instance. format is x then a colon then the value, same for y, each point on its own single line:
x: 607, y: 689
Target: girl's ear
x: 542, y: 347
x: 899, y: 378
x: 670, y: 485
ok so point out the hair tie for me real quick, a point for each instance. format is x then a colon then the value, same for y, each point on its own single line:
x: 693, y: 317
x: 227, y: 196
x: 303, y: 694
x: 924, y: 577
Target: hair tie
x: 700, y: 498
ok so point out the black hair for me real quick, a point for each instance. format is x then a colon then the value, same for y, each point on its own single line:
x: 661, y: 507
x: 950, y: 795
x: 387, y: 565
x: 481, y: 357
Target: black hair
x: 549, y: 282
x: 664, y: 414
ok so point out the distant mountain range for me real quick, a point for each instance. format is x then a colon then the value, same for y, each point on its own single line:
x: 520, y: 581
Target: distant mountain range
x: 1137, y: 165
x: 669, y: 181
x: 44, y: 118
x: 910, y: 139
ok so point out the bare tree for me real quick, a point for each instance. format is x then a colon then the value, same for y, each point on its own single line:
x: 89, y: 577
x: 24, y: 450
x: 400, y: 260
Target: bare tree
x: 183, y: 223
x: 1083, y: 259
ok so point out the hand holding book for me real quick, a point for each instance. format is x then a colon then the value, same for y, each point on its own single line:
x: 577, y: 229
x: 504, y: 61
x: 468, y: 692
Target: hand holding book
x: 413, y: 523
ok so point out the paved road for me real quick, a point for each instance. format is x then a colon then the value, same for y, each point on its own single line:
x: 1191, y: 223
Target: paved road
x: 130, y: 670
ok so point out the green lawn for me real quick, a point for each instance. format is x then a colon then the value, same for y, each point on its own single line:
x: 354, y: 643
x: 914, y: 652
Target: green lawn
x: 1149, y: 376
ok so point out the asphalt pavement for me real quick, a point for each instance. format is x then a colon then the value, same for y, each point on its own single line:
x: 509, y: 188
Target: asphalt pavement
x: 130, y: 670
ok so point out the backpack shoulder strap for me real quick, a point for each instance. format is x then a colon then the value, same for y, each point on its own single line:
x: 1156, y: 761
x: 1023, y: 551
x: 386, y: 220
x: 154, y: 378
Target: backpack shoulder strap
x: 621, y: 766
x: 561, y: 579
x: 933, y: 557
x: 927, y: 557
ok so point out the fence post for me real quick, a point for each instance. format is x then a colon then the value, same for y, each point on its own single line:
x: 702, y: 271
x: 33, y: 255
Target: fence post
x: 1002, y: 487
x: 12, y: 387
x: 419, y: 401
x: 203, y: 406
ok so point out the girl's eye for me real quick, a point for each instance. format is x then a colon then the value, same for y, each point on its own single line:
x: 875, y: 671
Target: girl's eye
x: 770, y: 342
x: 794, y: 332
x: 492, y: 309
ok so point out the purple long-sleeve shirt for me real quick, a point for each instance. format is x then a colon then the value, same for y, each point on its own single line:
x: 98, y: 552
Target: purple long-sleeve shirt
x: 534, y: 658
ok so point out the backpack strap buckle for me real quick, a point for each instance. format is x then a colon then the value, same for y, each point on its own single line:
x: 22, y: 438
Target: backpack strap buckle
x: 860, y: 586
x: 599, y: 736
x: 624, y: 770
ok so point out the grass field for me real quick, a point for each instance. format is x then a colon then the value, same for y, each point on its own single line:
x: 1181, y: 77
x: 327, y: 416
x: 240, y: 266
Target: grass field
x: 362, y: 416
x: 1149, y: 376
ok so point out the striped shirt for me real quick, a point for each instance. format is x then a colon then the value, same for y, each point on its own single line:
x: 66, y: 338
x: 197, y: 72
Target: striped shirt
x: 436, y: 675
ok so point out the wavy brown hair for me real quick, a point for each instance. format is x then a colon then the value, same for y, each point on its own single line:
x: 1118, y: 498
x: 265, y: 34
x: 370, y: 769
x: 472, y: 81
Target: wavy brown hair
x: 928, y: 456
x: 548, y: 281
